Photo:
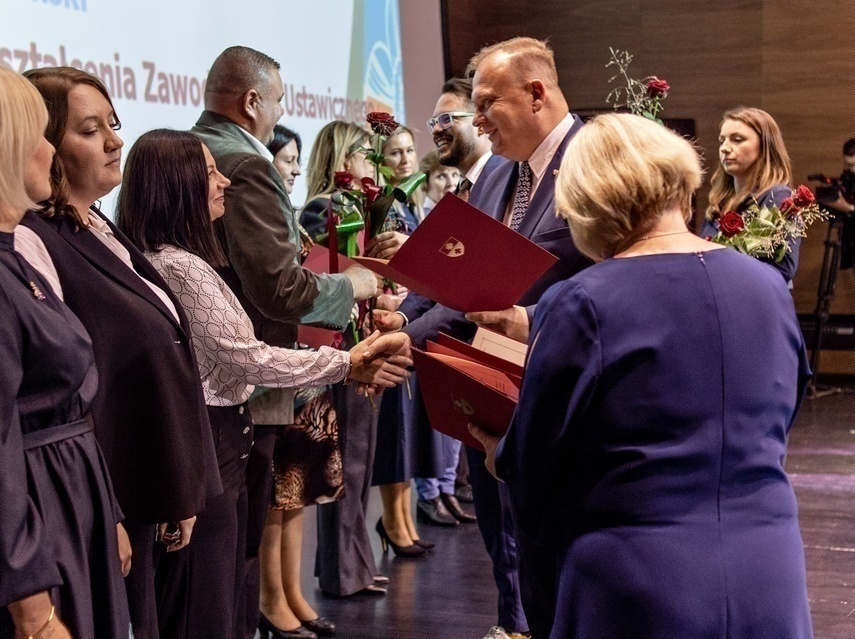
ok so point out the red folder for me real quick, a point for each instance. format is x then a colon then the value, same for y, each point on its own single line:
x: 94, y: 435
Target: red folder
x: 467, y: 351
x: 318, y: 261
x: 458, y: 391
x: 465, y: 260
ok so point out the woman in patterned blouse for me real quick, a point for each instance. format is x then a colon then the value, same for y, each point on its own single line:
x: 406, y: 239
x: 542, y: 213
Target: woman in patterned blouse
x: 170, y: 194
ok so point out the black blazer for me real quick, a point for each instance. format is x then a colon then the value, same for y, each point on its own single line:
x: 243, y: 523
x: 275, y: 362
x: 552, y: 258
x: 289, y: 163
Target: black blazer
x: 149, y: 412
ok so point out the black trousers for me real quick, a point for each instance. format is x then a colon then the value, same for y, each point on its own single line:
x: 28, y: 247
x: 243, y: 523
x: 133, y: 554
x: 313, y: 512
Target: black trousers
x: 200, y: 587
x: 259, y: 482
x: 142, y: 601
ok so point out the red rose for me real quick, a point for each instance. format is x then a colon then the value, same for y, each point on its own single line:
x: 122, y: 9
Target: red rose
x: 343, y: 180
x: 803, y: 196
x: 731, y: 223
x: 788, y: 207
x: 382, y: 123
x: 371, y: 190
x: 657, y: 88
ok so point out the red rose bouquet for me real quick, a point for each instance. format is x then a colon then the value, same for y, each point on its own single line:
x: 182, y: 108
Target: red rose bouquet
x: 766, y: 232
x: 641, y: 97
x: 366, y: 205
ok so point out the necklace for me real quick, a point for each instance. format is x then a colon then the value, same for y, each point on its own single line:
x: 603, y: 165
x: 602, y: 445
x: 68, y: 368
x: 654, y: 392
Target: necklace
x: 650, y: 237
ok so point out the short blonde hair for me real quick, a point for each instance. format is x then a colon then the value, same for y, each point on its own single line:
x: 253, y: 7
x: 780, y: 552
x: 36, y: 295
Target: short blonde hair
x: 618, y: 174
x: 23, y: 119
x: 531, y: 59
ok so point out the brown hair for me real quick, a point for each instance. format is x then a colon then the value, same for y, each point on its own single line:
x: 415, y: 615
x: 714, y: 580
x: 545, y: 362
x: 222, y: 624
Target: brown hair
x: 772, y: 166
x: 164, y: 196
x: 54, y: 84
x: 335, y: 142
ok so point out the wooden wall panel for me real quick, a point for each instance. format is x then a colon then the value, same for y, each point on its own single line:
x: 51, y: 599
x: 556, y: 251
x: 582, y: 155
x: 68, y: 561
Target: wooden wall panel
x: 794, y: 58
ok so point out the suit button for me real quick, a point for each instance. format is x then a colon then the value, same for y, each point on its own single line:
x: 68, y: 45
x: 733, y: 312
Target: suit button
x: 241, y: 410
x: 246, y: 430
x: 244, y: 456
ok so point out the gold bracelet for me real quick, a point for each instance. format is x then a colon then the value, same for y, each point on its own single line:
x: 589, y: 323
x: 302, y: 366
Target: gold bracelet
x: 44, y: 627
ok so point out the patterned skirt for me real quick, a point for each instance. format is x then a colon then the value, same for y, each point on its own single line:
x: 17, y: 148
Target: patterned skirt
x: 307, y: 458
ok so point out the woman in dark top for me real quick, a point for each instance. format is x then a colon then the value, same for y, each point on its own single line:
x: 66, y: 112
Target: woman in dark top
x: 60, y: 572
x: 149, y: 412
x: 754, y: 169
x: 645, y: 456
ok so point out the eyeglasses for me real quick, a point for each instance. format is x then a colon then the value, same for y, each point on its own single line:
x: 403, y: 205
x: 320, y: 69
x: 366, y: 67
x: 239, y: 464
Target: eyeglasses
x: 444, y: 120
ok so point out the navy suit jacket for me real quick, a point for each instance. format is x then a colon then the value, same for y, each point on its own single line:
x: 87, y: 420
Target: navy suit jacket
x: 492, y: 195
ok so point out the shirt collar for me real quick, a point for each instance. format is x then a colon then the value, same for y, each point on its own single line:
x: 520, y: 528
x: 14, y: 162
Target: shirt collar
x: 257, y: 145
x: 547, y: 149
x: 475, y: 170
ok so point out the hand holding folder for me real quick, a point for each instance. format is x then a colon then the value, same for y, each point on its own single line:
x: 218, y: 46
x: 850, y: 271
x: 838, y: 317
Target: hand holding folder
x: 465, y: 260
x: 462, y: 385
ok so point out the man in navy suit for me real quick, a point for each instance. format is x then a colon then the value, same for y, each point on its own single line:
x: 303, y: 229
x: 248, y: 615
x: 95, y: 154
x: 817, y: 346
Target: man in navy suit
x: 520, y: 108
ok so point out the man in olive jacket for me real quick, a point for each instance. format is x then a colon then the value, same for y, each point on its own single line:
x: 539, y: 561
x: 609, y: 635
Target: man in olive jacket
x: 259, y: 233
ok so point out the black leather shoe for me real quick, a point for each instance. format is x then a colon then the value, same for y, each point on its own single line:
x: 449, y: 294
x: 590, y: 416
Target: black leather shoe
x: 320, y: 626
x: 464, y: 494
x: 453, y: 506
x: 424, y: 543
x: 413, y: 550
x: 269, y: 631
x: 433, y: 512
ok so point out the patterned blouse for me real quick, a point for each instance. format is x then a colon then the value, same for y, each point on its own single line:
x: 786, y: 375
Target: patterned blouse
x: 231, y: 359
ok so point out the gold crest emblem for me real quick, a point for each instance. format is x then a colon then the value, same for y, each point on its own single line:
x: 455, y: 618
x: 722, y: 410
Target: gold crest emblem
x: 452, y: 248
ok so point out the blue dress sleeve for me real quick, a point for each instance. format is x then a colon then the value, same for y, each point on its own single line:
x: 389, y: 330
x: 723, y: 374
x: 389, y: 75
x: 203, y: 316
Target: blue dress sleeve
x: 26, y: 566
x: 561, y: 373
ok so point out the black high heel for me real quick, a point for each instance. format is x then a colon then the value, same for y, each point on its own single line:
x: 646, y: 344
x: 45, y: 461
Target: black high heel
x: 413, y: 550
x: 427, y: 545
x: 269, y: 631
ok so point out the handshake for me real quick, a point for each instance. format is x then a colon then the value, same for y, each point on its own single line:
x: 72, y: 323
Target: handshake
x: 380, y: 361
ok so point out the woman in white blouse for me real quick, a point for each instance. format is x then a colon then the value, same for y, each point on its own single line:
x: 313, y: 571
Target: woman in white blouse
x: 170, y: 194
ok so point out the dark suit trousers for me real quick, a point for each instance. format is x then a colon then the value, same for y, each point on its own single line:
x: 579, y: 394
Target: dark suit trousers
x: 344, y: 563
x: 200, y: 587
x: 139, y: 583
x: 493, y: 510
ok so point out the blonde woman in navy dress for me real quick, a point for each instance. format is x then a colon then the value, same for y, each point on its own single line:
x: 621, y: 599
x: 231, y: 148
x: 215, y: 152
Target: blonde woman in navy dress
x: 60, y: 570
x: 645, y: 457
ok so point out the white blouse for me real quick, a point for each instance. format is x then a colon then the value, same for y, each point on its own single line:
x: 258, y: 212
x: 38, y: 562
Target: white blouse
x: 231, y: 359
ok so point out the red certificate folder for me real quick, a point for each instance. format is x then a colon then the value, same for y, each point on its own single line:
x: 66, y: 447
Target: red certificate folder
x: 318, y: 261
x: 465, y: 260
x: 458, y: 391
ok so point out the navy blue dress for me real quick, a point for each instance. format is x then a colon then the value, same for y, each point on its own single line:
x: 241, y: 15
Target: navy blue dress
x: 645, y: 456
x: 59, y: 514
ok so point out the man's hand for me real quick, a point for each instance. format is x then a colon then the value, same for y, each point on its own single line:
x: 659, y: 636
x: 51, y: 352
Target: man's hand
x: 381, y: 360
x: 840, y: 204
x: 385, y: 245
x: 490, y: 443
x: 512, y: 322
x: 179, y: 538
x: 386, y: 321
x: 389, y: 302
x: 365, y: 283
x: 125, y: 551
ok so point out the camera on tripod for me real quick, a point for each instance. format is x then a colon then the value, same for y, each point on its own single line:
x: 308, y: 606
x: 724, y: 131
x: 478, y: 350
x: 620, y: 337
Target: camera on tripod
x: 831, y: 188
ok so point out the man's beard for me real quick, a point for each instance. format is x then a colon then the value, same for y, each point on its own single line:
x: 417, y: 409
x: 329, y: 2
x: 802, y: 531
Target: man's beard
x: 457, y: 153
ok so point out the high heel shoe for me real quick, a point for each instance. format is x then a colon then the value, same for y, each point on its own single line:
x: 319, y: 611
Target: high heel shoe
x: 412, y: 550
x: 269, y: 631
x: 427, y: 545
x: 320, y: 626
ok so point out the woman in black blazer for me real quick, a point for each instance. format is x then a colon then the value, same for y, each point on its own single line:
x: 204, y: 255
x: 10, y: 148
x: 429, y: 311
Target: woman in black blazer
x: 149, y: 413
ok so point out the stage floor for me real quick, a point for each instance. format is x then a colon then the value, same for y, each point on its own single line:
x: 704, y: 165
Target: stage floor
x: 449, y: 593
